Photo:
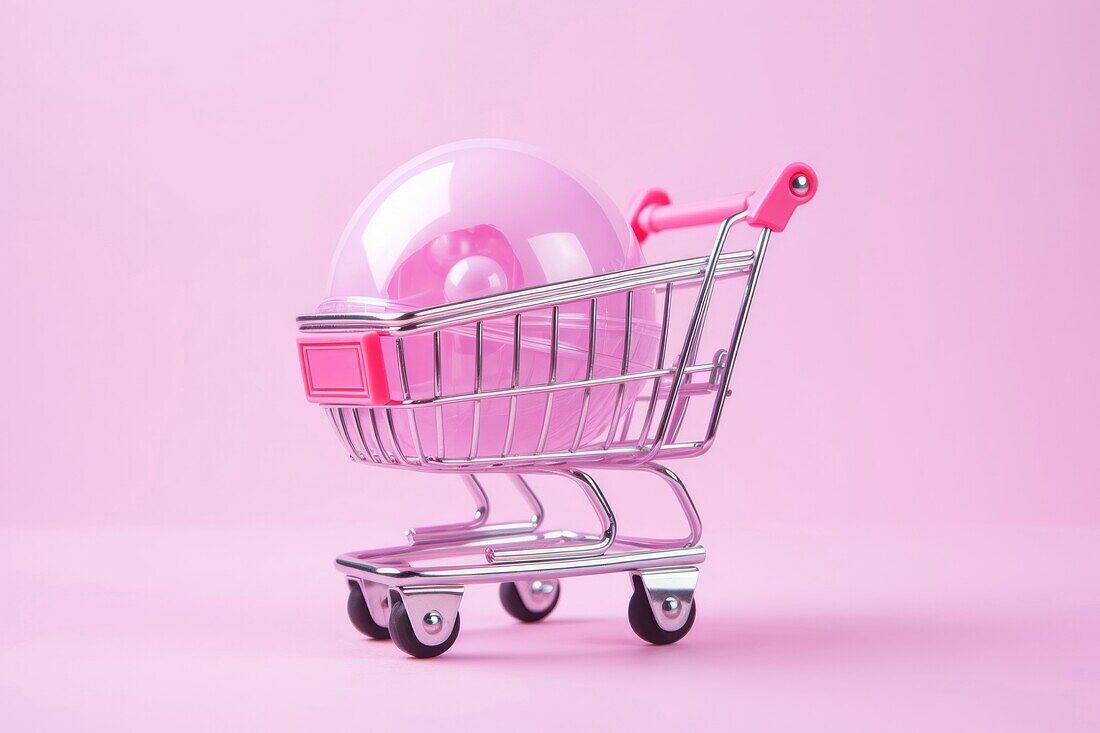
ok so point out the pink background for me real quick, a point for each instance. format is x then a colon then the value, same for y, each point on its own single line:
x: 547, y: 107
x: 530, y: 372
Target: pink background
x: 902, y: 509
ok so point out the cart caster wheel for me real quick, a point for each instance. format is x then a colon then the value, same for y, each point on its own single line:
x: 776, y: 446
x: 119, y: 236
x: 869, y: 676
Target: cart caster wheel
x: 360, y: 615
x: 645, y: 623
x: 530, y: 601
x: 401, y: 631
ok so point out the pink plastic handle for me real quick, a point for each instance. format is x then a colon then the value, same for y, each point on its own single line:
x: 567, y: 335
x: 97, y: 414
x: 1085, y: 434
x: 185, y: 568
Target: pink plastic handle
x: 786, y: 188
x: 771, y: 206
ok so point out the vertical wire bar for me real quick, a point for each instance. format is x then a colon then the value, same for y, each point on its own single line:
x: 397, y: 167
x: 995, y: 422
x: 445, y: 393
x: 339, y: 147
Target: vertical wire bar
x: 363, y: 436
x: 398, y: 450
x: 378, y: 436
x: 355, y: 452
x: 411, y: 411
x: 694, y: 334
x: 628, y: 420
x: 552, y: 379
x: 440, y: 443
x: 739, y: 331
x: 332, y: 413
x: 680, y: 409
x: 517, y: 333
x: 625, y: 367
x: 588, y: 375
x: 479, y: 336
x: 667, y: 312
x: 628, y: 415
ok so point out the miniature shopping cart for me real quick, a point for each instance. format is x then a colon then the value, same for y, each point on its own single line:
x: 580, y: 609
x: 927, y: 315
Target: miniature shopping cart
x: 412, y: 593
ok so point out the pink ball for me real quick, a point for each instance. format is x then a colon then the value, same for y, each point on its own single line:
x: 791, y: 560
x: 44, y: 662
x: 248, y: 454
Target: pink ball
x: 474, y: 277
x: 477, y: 218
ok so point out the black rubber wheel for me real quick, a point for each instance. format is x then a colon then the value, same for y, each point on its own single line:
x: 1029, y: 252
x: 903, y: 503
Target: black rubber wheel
x: 360, y: 614
x: 516, y: 608
x: 401, y: 631
x: 645, y: 624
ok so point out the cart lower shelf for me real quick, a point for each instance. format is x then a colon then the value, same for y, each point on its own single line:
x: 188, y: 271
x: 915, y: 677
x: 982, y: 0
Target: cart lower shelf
x: 420, y: 611
x: 411, y: 594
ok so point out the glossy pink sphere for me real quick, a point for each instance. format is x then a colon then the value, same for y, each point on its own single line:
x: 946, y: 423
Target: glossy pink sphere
x: 482, y: 217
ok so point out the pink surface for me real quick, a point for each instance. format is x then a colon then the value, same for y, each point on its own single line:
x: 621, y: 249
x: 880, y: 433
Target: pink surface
x: 901, y: 510
x: 798, y: 629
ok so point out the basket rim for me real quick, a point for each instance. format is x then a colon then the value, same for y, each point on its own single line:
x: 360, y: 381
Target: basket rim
x: 539, y: 296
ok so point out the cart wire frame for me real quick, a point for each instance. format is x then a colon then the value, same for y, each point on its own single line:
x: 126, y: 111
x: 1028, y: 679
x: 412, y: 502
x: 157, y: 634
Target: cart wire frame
x: 527, y: 559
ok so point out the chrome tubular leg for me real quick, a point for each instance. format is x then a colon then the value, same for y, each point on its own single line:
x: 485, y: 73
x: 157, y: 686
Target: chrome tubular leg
x: 589, y: 547
x: 478, y: 527
x: 528, y: 494
x: 481, y: 515
x: 695, y: 524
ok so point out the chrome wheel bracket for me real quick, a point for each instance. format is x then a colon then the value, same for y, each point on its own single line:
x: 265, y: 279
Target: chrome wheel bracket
x: 670, y: 592
x: 432, y: 610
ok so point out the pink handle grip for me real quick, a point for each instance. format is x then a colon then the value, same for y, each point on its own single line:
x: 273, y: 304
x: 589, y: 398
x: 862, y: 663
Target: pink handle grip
x: 771, y: 206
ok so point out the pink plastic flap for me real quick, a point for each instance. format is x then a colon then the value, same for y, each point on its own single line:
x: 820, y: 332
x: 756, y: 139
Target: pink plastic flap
x: 344, y: 369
